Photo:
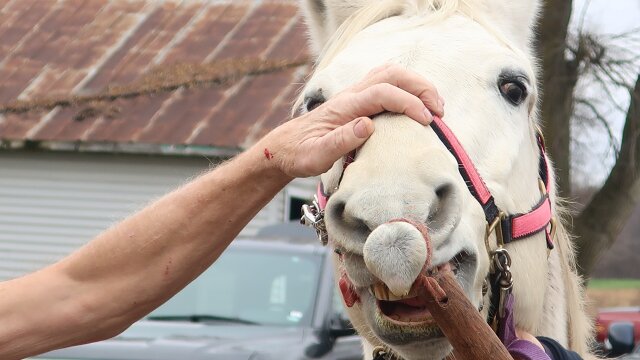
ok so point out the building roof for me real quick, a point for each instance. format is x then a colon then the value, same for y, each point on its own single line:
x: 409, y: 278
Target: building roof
x: 146, y: 74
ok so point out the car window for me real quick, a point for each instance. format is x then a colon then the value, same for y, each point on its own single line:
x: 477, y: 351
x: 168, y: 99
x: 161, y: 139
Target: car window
x: 338, y: 304
x: 249, y: 285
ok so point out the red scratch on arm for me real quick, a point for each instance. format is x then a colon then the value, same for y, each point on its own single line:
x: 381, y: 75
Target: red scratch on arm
x: 268, y: 154
x: 166, y: 269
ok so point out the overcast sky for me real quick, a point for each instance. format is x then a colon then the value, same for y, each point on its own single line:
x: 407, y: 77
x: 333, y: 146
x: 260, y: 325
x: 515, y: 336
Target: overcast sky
x: 612, y: 17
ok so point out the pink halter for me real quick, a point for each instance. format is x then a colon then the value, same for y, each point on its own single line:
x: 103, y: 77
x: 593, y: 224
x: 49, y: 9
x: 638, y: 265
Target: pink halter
x: 508, y: 228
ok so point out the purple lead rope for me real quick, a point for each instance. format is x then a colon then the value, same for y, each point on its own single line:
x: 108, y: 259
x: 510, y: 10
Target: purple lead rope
x: 518, y: 348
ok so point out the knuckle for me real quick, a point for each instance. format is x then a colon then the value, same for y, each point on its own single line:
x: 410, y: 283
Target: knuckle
x: 328, y: 111
x: 339, y: 140
x: 340, y: 101
x: 332, y: 114
x: 431, y: 90
x: 382, y: 89
x: 394, y: 71
x: 379, y: 69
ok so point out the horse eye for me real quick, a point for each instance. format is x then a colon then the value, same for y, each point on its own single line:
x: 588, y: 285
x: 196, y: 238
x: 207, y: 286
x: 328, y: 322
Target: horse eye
x: 314, y: 100
x: 514, y: 91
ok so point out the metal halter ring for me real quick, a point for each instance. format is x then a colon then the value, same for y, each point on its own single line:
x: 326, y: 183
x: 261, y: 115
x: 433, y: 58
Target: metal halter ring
x: 542, y: 187
x: 313, y: 216
x: 553, y: 226
x: 380, y: 353
x: 502, y: 266
x: 552, y: 222
x: 495, y: 226
x: 502, y: 260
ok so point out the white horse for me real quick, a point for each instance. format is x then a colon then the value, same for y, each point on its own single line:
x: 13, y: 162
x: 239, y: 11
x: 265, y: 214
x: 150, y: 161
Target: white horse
x: 478, y: 54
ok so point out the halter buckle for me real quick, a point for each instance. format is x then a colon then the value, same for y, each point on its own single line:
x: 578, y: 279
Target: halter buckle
x: 552, y: 235
x: 542, y: 187
x: 553, y: 226
x: 495, y: 226
x: 313, y: 216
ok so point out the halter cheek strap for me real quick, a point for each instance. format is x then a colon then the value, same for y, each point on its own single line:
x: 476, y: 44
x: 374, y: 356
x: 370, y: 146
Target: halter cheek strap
x: 508, y: 228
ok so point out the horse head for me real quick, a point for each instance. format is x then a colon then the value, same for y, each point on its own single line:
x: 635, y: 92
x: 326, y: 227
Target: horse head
x: 478, y: 54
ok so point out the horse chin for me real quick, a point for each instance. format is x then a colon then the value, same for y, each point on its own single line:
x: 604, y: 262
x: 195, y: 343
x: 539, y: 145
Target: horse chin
x: 405, y: 324
x: 413, y: 340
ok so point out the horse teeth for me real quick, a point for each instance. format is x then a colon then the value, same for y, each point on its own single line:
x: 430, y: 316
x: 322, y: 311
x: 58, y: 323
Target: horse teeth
x: 382, y: 292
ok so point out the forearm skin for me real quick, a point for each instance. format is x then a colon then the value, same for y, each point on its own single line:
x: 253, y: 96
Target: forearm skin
x: 136, y: 265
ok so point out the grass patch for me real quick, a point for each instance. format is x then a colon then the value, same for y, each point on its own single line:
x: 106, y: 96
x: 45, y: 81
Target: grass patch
x: 614, y: 284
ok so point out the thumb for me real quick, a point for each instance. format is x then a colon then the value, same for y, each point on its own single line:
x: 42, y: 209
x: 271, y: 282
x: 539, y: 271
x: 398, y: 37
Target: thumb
x: 346, y: 138
x: 362, y: 129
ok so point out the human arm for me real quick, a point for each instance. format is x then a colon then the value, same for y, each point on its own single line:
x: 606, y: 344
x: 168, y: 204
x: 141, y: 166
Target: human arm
x: 551, y: 347
x: 136, y: 265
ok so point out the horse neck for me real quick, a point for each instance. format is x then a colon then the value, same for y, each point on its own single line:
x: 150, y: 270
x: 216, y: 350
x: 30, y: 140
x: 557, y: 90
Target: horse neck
x: 564, y: 316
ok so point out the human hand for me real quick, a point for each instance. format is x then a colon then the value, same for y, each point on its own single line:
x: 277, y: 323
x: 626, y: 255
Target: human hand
x: 309, y: 145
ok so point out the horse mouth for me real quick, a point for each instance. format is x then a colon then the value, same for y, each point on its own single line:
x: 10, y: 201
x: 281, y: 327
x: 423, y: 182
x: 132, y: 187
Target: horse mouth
x: 410, y: 309
x: 406, y: 311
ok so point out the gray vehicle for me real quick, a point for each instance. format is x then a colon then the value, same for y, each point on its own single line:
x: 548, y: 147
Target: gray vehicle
x: 260, y: 300
x: 620, y: 341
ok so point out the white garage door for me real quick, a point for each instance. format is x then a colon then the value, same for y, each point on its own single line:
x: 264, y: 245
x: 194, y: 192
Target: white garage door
x: 50, y: 204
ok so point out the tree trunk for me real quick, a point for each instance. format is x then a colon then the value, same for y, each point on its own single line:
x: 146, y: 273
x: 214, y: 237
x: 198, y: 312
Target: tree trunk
x: 600, y: 223
x: 558, y: 83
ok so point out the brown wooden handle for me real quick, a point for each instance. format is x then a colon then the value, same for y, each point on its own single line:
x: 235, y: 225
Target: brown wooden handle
x: 463, y: 325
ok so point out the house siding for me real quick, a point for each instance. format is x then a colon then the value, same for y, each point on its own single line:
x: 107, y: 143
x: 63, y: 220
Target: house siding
x: 52, y: 203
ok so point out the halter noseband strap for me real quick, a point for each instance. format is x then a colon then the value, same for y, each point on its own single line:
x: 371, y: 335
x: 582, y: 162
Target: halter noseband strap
x: 508, y: 228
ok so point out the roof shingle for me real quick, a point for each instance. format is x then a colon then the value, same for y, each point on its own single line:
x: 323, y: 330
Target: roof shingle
x: 79, y: 52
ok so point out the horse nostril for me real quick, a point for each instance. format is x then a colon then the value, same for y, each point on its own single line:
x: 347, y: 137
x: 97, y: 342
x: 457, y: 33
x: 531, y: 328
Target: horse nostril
x: 314, y: 99
x: 439, y: 209
x: 353, y: 222
x: 337, y: 210
x: 443, y: 191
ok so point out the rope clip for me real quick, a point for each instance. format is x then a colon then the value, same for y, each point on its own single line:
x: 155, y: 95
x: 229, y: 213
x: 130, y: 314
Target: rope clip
x: 313, y: 216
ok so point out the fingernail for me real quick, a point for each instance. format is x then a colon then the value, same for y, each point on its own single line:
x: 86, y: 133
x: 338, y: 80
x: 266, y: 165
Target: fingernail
x: 427, y: 114
x: 441, y: 103
x: 360, y: 129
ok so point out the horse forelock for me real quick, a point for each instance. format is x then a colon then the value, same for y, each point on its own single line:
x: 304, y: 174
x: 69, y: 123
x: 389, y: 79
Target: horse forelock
x: 429, y: 11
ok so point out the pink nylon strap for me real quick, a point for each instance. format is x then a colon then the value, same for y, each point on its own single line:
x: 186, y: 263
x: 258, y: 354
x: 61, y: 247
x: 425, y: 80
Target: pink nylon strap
x: 543, y: 167
x: 531, y: 222
x: 540, y: 216
x: 514, y: 227
x: 483, y: 193
x: 322, y: 197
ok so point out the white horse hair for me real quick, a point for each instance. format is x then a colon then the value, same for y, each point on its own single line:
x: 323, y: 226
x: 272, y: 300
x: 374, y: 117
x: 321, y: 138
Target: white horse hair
x: 468, y: 49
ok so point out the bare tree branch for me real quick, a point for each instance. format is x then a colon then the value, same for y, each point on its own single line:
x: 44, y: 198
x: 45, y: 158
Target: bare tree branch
x: 603, y: 121
x: 602, y: 220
